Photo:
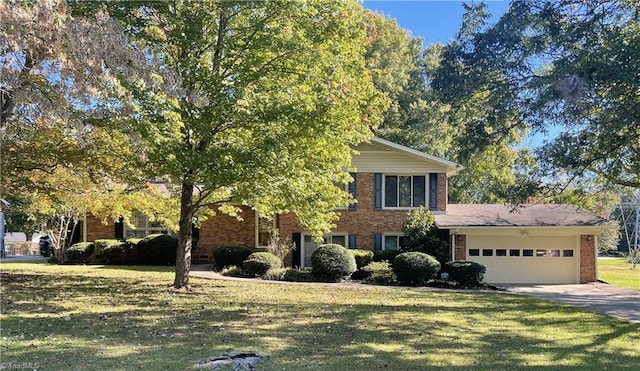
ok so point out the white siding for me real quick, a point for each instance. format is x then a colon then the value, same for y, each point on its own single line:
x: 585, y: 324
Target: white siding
x: 374, y: 159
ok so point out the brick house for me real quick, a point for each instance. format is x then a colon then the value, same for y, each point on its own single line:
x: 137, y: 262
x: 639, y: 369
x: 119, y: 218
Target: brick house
x: 537, y: 244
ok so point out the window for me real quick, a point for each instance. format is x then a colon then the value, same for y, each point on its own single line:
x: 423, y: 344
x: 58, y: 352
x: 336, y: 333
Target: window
x: 404, y: 191
x: 527, y: 252
x: 264, y: 226
x: 501, y: 252
x: 487, y: 252
x: 541, y: 253
x: 474, y: 252
x: 514, y: 252
x: 392, y: 242
x: 554, y: 253
x: 567, y: 253
x: 142, y: 227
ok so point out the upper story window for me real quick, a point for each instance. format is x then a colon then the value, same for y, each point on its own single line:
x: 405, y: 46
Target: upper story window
x: 142, y: 226
x: 404, y: 191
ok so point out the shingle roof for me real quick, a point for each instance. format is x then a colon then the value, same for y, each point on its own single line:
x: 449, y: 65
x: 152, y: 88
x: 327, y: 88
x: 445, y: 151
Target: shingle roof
x: 539, y: 215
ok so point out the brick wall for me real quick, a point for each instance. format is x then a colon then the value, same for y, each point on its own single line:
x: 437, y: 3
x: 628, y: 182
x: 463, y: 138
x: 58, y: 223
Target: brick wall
x: 442, y: 192
x: 588, y: 268
x: 97, y: 230
x: 221, y: 230
x: 364, y: 221
x: 460, y: 250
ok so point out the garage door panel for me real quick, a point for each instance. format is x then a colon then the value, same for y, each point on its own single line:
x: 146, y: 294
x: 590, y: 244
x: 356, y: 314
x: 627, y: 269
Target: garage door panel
x: 539, y: 259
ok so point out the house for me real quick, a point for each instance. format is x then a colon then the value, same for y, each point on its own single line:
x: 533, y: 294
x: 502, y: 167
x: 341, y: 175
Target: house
x: 536, y: 244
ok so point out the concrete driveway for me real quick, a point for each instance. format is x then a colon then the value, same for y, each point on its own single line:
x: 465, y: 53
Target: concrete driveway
x: 599, y: 297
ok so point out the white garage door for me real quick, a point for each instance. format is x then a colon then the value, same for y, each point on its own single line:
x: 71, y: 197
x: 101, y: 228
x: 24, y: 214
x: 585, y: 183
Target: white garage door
x: 526, y: 259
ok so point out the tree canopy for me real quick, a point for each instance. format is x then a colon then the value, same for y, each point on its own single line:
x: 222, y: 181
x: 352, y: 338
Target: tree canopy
x: 242, y: 102
x: 553, y: 66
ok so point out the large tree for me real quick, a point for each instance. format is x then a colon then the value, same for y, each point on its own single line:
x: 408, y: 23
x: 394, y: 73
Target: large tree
x: 564, y: 67
x: 422, y: 117
x: 246, y: 102
x: 54, y: 162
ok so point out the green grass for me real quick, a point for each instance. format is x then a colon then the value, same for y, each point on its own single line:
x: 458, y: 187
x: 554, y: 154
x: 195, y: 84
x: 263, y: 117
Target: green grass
x: 618, y: 272
x: 97, y: 318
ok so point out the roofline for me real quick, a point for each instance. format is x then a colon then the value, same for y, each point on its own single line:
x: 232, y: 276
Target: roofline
x: 452, y: 167
x: 529, y: 227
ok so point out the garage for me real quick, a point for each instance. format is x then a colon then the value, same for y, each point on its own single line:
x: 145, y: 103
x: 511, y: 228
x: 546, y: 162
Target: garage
x: 535, y: 244
x: 528, y: 259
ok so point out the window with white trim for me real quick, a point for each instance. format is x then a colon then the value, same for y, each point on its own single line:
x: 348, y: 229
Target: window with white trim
x: 405, y: 191
x: 392, y: 241
x: 142, y: 226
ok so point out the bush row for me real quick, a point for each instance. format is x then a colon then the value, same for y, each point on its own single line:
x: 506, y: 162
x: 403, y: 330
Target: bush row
x: 155, y: 249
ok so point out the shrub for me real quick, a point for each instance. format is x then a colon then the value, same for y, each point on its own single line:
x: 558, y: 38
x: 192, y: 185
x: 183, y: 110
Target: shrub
x: 421, y: 234
x: 415, y: 267
x: 279, y: 247
x: 386, y: 255
x: 466, y: 273
x: 226, y: 256
x: 332, y: 262
x: 232, y: 271
x: 110, y: 251
x: 363, y: 257
x: 380, y: 273
x: 80, y: 253
x: 132, y: 251
x: 289, y: 275
x: 158, y: 249
x: 259, y: 263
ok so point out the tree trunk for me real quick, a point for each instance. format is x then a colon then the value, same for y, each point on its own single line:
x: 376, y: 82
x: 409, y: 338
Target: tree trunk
x: 183, y: 254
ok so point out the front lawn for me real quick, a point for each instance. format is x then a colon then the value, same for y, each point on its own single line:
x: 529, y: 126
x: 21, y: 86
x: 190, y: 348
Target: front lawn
x: 105, y: 318
x: 618, y: 272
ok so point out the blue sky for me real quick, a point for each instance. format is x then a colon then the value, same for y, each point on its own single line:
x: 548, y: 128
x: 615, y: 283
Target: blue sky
x: 432, y: 20
x: 438, y: 21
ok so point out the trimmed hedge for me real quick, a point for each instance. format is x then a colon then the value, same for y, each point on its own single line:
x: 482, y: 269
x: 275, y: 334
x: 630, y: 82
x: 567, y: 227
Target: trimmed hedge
x: 379, y: 273
x: 111, y: 252
x: 415, y: 267
x: 80, y: 253
x: 226, y: 256
x: 332, y: 262
x: 158, y: 249
x: 363, y: 257
x: 289, y: 275
x: 259, y: 263
x: 465, y: 273
x: 388, y: 255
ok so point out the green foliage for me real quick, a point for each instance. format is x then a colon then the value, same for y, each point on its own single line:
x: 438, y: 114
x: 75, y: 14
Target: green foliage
x: 363, y: 257
x: 259, y: 263
x: 552, y: 62
x: 227, y: 256
x: 380, y: 273
x: 465, y: 273
x: 421, y: 234
x: 332, y: 262
x: 80, y: 252
x: 290, y: 275
x: 278, y: 246
x: 158, y: 249
x: 415, y: 268
x: 112, y: 252
x: 386, y: 255
x: 265, y: 98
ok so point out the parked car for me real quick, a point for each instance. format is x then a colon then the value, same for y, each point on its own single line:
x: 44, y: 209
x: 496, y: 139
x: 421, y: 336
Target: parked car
x: 46, y: 246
